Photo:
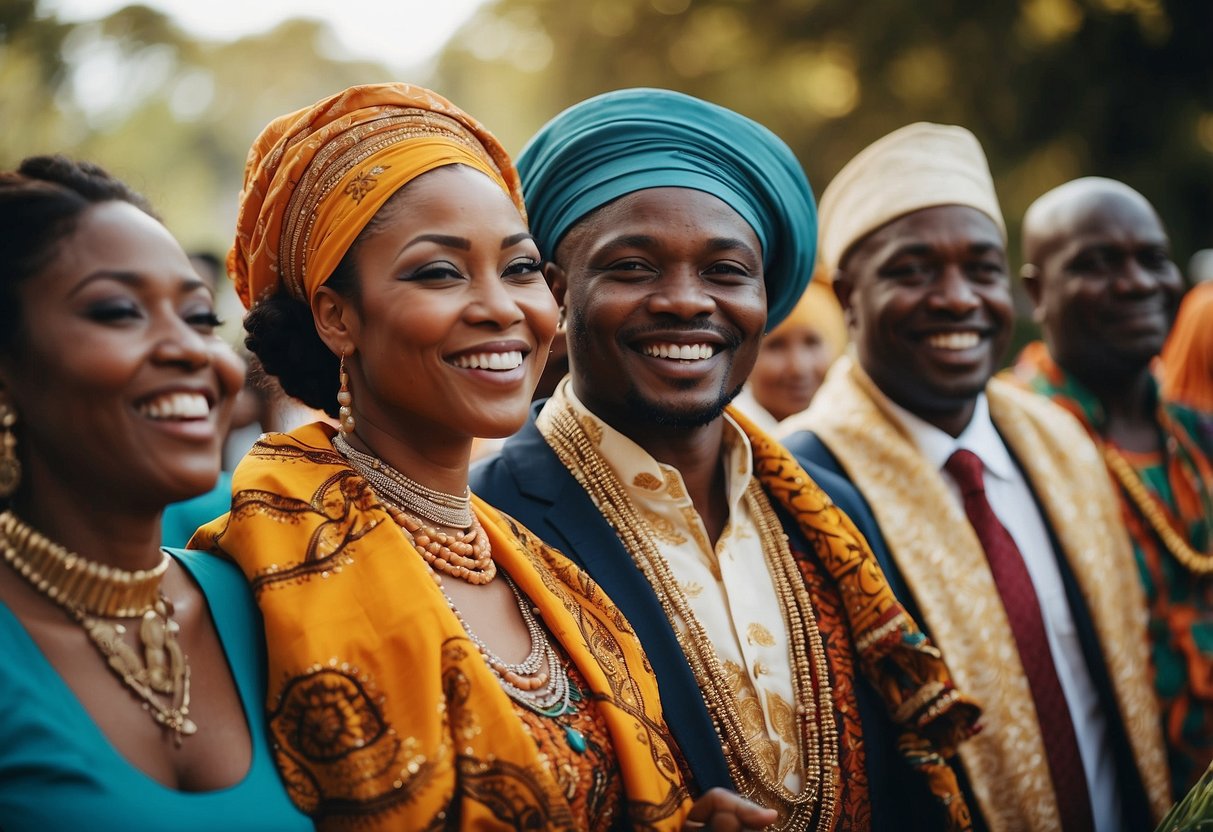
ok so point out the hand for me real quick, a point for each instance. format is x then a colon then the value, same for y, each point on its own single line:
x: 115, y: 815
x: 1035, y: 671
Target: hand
x: 721, y: 810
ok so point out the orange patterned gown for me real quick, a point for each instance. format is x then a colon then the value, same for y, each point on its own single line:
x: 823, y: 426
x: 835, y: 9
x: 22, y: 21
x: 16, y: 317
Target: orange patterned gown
x: 383, y: 712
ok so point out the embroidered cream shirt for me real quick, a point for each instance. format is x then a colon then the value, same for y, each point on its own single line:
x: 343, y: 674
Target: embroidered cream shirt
x: 728, y: 587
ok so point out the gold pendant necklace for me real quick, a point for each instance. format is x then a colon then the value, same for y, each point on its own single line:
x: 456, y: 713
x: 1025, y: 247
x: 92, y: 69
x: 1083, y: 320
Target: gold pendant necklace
x: 91, y: 592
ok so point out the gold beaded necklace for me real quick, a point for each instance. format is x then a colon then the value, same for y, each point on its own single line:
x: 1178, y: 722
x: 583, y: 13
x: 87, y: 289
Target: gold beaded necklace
x: 1198, y: 563
x: 90, y: 592
x: 817, y: 731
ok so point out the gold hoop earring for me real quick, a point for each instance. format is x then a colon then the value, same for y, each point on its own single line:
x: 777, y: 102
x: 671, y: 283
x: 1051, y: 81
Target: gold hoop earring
x: 345, y: 415
x: 10, y: 465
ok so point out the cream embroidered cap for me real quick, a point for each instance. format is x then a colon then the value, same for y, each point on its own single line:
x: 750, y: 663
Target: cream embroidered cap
x: 918, y: 166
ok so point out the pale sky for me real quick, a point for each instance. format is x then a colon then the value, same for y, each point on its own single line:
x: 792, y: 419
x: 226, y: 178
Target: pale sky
x: 398, y: 33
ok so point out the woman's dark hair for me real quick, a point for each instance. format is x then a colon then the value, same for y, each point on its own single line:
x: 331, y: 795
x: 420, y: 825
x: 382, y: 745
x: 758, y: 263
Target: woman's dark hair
x: 40, y: 206
x: 282, y: 334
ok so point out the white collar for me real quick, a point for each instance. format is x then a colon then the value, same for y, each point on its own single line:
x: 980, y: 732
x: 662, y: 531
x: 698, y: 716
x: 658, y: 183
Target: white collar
x: 979, y: 436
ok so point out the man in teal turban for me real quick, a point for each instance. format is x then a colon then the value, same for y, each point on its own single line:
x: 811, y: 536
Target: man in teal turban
x: 677, y: 232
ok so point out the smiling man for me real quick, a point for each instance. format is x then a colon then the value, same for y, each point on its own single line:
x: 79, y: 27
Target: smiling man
x: 1098, y: 269
x: 1001, y: 522
x: 678, y: 232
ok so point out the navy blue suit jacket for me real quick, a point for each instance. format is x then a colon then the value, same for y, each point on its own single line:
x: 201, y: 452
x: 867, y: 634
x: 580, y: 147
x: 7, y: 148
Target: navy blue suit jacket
x: 528, y: 482
x: 1134, y: 801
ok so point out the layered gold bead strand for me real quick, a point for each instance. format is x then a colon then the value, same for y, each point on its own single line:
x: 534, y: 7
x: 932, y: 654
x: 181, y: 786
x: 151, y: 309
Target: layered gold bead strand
x: 818, y: 732
x: 1198, y: 563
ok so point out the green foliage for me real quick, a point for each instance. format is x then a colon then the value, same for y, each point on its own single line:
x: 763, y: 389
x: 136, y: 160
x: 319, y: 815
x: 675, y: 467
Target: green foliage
x: 1053, y: 88
x: 1195, y: 812
x: 171, y: 114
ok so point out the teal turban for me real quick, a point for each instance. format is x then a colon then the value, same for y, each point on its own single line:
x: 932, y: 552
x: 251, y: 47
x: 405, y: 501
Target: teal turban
x: 630, y: 140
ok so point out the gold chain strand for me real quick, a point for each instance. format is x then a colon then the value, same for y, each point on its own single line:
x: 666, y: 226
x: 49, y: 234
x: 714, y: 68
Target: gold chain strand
x: 451, y: 510
x: 1198, y: 563
x: 89, y: 592
x: 818, y: 732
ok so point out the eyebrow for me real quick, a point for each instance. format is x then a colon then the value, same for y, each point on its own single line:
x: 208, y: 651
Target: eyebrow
x: 926, y: 249
x: 727, y: 243
x: 463, y: 243
x: 132, y: 279
x: 648, y: 241
x: 515, y: 239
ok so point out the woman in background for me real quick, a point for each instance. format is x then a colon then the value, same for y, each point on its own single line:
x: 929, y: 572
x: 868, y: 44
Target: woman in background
x: 433, y: 664
x: 131, y: 687
x: 794, y: 358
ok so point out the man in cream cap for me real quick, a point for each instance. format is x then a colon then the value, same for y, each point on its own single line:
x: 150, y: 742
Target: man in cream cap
x: 1002, y: 525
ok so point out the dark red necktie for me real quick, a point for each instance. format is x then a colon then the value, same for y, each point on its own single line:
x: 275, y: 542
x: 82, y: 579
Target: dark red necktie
x: 1028, y: 627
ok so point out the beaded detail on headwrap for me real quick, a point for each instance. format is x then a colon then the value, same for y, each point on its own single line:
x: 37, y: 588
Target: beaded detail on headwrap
x: 316, y: 177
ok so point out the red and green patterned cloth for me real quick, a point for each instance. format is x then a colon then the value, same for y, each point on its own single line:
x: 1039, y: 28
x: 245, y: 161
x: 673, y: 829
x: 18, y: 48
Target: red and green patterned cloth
x: 1180, y: 479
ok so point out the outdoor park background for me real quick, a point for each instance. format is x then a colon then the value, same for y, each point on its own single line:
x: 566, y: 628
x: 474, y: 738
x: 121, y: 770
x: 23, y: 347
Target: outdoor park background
x: 1054, y: 89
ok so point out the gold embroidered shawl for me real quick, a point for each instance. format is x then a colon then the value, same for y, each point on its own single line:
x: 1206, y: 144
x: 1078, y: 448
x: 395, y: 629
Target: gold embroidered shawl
x: 945, y: 568
x: 384, y: 716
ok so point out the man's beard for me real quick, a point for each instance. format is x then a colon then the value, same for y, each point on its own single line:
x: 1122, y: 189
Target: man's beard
x: 650, y: 412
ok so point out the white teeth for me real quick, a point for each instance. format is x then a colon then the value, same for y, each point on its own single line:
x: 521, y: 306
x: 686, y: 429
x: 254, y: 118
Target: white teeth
x: 490, y: 361
x: 953, y: 340
x: 176, y: 406
x: 680, y: 352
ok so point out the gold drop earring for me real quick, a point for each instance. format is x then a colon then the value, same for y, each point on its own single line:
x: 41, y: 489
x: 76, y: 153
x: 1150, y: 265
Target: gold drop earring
x: 10, y: 465
x: 345, y: 415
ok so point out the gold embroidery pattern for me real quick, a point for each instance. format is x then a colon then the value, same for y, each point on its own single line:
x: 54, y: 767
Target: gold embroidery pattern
x: 647, y: 481
x: 753, y: 722
x: 664, y: 528
x: 945, y: 569
x: 691, y: 518
x: 364, y: 183
x: 760, y: 635
x: 673, y: 484
x: 692, y: 589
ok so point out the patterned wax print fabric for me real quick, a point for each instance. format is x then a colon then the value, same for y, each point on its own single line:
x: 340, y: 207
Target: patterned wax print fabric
x: 384, y: 713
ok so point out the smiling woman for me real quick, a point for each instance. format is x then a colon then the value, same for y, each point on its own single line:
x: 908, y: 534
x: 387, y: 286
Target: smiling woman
x: 115, y: 395
x: 435, y: 665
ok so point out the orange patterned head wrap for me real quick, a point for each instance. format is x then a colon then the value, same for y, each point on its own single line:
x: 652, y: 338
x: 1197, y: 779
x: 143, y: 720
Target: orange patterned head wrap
x: 315, y: 178
x: 819, y: 310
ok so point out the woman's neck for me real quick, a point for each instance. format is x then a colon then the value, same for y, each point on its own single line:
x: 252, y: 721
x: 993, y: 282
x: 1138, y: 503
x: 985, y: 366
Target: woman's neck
x: 440, y: 463
x: 119, y: 536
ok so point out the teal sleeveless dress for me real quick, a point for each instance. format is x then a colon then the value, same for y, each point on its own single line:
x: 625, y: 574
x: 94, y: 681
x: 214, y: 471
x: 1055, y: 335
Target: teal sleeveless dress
x: 59, y: 772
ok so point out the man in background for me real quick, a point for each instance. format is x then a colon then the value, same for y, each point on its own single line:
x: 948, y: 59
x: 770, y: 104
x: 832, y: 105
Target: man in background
x: 1098, y: 268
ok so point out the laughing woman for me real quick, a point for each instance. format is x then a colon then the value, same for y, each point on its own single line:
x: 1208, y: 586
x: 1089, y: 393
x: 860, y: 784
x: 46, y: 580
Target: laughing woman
x: 433, y: 665
x: 131, y: 683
